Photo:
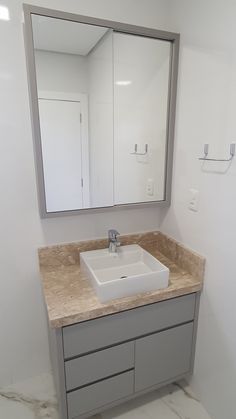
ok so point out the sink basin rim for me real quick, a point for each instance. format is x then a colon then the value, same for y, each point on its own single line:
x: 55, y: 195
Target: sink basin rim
x: 154, y: 277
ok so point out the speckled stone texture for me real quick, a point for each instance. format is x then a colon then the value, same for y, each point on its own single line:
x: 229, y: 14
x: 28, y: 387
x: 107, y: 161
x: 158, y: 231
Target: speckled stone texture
x: 70, y: 298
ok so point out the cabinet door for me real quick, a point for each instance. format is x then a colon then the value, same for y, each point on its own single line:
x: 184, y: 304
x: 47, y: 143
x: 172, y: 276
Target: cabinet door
x: 163, y: 356
x: 97, y: 395
x: 98, y: 365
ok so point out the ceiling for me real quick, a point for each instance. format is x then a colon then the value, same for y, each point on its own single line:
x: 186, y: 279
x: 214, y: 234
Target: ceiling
x: 59, y: 35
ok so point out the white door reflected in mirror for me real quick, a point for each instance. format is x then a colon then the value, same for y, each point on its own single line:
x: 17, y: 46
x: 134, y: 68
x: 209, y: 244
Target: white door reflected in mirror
x: 62, y: 160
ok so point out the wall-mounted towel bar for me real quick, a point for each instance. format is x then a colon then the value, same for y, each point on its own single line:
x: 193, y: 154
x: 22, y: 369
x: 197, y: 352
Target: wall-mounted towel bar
x: 206, y: 150
x: 136, y: 150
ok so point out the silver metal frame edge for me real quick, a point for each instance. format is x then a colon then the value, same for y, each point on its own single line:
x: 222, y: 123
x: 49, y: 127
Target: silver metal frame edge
x: 172, y: 37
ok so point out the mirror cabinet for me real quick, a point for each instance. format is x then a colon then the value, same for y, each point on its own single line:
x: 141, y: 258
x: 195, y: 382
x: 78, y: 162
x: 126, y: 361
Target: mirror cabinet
x: 103, y: 100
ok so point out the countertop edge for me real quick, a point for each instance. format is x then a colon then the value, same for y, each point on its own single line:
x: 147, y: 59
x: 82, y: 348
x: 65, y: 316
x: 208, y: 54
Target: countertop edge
x: 98, y: 313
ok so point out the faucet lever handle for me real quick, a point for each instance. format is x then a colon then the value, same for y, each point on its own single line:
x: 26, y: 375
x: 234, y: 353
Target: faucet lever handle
x: 112, y: 234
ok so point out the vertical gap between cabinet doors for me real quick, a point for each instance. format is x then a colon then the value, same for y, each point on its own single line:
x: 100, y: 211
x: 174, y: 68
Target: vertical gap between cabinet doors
x: 134, y: 362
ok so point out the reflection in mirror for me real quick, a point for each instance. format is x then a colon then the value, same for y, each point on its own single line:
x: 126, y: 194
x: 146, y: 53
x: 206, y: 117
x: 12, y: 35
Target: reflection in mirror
x: 75, y: 97
x: 103, y: 98
x: 141, y: 77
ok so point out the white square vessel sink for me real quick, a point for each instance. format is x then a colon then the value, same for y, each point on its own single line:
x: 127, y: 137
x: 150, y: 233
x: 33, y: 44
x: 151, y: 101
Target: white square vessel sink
x: 131, y: 270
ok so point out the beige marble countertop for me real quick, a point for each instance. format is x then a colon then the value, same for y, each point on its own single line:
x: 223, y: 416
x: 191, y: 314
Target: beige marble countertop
x: 70, y: 298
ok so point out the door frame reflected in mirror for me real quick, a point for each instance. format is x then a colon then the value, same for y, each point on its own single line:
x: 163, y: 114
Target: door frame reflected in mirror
x: 171, y: 37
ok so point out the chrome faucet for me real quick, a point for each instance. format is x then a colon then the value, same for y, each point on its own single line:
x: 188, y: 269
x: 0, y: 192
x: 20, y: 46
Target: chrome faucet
x: 112, y: 240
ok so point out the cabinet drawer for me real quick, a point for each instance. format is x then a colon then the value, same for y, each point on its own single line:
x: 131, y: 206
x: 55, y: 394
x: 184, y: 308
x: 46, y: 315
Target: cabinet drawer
x: 97, y: 395
x: 163, y: 356
x: 89, y: 368
x: 105, y: 331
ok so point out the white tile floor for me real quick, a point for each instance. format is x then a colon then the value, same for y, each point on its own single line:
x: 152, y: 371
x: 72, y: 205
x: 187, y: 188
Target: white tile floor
x: 35, y: 399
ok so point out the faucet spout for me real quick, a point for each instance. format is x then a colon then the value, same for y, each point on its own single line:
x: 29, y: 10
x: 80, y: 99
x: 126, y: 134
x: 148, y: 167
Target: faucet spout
x: 113, y: 242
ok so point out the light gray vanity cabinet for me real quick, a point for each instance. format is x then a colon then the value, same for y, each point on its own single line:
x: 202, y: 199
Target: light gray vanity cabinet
x: 103, y: 362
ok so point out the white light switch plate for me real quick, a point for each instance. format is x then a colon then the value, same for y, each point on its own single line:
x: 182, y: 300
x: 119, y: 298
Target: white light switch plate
x: 193, y: 200
x: 150, y: 187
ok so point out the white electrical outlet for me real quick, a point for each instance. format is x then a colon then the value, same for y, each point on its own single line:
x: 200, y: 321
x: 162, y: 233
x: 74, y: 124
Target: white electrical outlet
x: 150, y: 187
x: 194, y: 200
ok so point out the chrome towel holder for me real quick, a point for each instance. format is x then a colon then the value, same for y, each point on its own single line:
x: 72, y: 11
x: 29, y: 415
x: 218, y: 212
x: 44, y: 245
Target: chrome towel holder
x: 206, y: 151
x: 136, y: 150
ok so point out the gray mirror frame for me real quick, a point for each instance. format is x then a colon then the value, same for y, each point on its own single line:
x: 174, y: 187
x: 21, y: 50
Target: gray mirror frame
x: 174, y: 38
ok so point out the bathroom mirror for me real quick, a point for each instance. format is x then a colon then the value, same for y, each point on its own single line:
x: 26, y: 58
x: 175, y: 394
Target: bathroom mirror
x: 103, y: 105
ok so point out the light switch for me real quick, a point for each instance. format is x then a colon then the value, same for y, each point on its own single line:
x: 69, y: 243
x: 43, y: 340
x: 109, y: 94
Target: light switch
x: 150, y: 187
x: 194, y: 200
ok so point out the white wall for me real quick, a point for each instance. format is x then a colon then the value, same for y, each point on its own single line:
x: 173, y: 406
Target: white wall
x: 100, y: 80
x: 23, y: 343
x: 59, y: 72
x: 206, y: 114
